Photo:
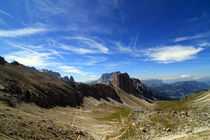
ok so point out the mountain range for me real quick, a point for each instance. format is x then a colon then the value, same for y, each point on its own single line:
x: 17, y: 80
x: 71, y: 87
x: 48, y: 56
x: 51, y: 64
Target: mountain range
x: 46, y: 89
x: 166, y: 91
x: 42, y: 105
x: 177, y: 90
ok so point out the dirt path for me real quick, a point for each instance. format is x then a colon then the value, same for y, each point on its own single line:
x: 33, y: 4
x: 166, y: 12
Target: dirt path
x: 78, y: 137
x: 117, y: 137
x: 120, y: 135
x: 72, y: 124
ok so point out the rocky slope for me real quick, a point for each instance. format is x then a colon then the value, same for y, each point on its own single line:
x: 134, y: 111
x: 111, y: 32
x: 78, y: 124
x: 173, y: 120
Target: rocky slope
x: 20, y: 83
x: 132, y: 86
x: 34, y: 105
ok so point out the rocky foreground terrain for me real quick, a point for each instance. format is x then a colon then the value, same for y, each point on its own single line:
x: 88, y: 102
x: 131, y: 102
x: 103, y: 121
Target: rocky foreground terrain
x: 35, y: 105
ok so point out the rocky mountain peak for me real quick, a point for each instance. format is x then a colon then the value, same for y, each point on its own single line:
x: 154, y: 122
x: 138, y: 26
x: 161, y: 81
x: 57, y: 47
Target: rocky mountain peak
x: 51, y: 73
x: 66, y: 78
x: 2, y: 61
x: 123, y: 81
x: 132, y: 86
x: 71, y: 78
x: 106, y: 77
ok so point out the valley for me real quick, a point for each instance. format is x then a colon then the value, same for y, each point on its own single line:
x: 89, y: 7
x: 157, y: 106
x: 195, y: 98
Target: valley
x: 35, y: 105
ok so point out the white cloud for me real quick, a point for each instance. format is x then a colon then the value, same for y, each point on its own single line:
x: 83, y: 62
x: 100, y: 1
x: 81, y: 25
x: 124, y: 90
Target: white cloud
x: 198, y: 36
x: 122, y: 48
x: 77, y: 50
x: 71, y: 69
x: 21, y: 32
x: 185, y: 76
x: 30, y: 58
x: 204, y: 44
x: 169, y: 54
x: 91, y: 43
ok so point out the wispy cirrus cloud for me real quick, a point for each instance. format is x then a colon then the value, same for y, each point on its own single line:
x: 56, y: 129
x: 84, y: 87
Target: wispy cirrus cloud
x: 21, y: 32
x: 29, y: 58
x: 92, y: 43
x: 77, y: 50
x: 193, y: 19
x: 204, y: 44
x: 36, y: 49
x: 123, y: 48
x: 85, y: 45
x: 5, y: 13
x: 170, y: 54
x: 184, y: 38
x: 71, y: 69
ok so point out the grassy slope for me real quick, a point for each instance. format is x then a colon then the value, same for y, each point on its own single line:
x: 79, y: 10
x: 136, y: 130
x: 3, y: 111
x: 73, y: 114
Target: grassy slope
x: 182, y: 105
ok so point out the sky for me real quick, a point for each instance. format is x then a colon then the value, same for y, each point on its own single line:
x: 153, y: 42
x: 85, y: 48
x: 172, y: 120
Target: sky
x: 158, y: 39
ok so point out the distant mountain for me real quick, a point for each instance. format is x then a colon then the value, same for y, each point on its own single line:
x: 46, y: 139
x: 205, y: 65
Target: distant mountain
x: 152, y: 82
x: 56, y: 74
x: 206, y: 82
x: 132, y: 86
x: 66, y: 78
x: 20, y: 83
x: 47, y: 89
x: 177, y: 90
x: 51, y: 73
x: 106, y: 77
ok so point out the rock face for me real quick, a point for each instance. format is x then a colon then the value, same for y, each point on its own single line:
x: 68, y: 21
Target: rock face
x: 66, y: 78
x: 123, y: 81
x: 51, y: 73
x: 2, y: 61
x: 143, y: 90
x: 71, y: 78
x: 106, y: 77
x: 20, y: 83
x: 132, y: 86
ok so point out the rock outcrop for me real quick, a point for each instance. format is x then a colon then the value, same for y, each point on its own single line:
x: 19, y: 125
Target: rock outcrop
x: 2, y: 61
x: 106, y: 77
x: 21, y: 83
x: 66, y: 78
x: 71, y: 78
x: 51, y: 73
x: 123, y: 81
x: 132, y: 86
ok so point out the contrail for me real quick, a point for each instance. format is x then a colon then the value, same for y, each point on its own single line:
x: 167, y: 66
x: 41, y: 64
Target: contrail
x: 29, y: 28
x: 137, y: 36
x: 5, y: 13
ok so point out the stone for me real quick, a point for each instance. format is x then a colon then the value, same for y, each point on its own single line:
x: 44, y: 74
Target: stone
x: 168, y: 129
x: 143, y: 129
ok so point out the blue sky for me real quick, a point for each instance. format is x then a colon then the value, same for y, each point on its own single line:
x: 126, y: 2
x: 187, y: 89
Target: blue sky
x: 85, y: 38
